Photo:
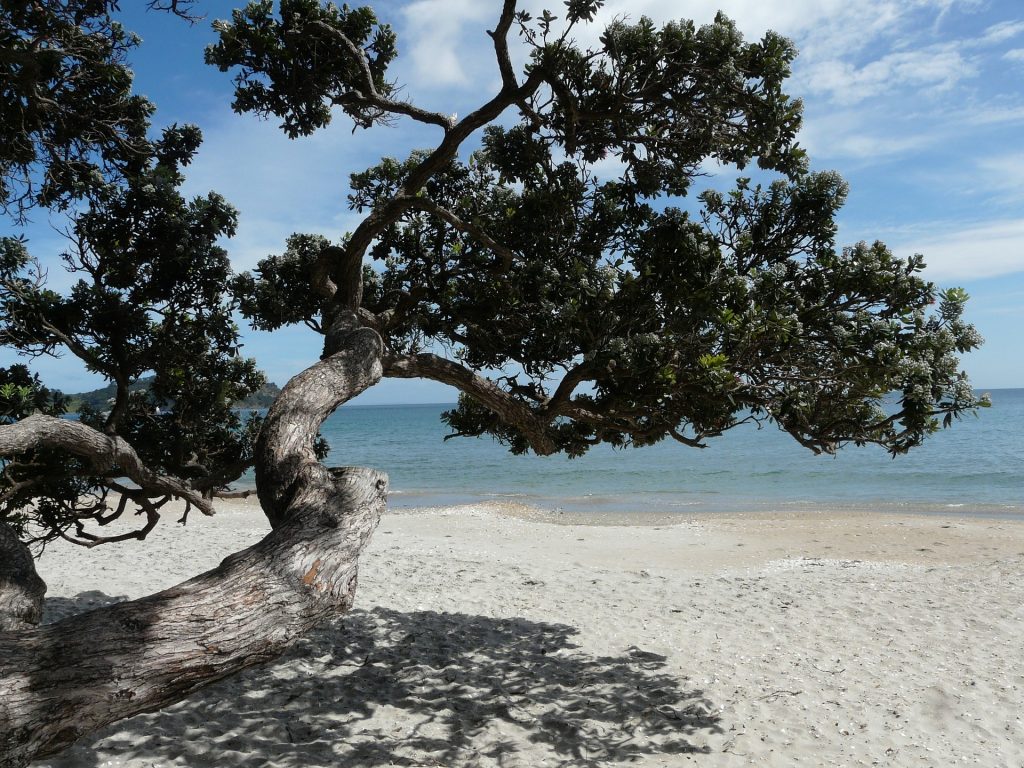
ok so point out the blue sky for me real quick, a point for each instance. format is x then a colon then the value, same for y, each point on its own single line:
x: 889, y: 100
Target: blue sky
x: 917, y: 103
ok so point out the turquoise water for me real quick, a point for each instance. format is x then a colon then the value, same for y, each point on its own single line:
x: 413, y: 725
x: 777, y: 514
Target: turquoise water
x: 976, y: 467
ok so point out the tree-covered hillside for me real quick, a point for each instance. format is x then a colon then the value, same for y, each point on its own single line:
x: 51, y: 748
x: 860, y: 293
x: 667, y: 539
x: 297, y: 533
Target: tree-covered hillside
x: 100, y: 399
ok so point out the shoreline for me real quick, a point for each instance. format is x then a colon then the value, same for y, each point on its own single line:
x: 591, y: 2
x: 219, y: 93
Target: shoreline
x: 555, y: 515
x: 641, y: 510
x: 487, y: 639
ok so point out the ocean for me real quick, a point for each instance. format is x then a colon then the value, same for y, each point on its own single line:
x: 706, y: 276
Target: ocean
x: 974, y: 468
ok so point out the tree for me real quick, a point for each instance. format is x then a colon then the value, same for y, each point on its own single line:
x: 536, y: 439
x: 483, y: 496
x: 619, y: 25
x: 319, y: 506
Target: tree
x: 568, y: 309
x: 68, y: 118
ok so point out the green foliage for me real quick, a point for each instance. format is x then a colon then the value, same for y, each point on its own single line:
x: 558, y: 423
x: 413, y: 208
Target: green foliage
x: 614, y: 308
x: 68, y: 119
x: 151, y: 295
x: 151, y: 298
x: 22, y: 394
x: 674, y: 317
x: 295, y: 65
x: 278, y: 293
x: 665, y: 99
x: 582, y: 10
x: 41, y: 485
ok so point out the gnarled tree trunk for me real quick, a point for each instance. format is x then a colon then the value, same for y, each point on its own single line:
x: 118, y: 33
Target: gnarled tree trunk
x: 21, y: 589
x: 61, y: 681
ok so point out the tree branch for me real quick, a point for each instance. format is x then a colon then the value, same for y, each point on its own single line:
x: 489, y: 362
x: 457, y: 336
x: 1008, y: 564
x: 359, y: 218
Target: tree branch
x: 500, y: 37
x: 572, y: 379
x: 288, y: 471
x: 388, y: 213
x: 429, y: 206
x: 87, y: 539
x: 21, y: 589
x: 28, y: 318
x: 105, y: 452
x: 67, y: 679
x: 679, y: 437
x: 371, y: 97
x: 512, y: 411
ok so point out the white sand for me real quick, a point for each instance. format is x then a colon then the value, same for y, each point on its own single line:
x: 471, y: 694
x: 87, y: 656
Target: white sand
x: 483, y: 638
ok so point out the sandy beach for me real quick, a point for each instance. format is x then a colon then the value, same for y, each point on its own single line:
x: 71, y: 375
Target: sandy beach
x: 489, y: 636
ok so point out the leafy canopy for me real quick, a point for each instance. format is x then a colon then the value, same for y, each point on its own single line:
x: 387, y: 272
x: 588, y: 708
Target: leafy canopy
x: 551, y: 256
x: 613, y: 306
x: 150, y: 292
x: 68, y: 118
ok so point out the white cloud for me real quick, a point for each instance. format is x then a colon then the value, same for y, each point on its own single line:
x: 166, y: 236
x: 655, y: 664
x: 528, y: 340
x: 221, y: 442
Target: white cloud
x: 820, y: 27
x: 990, y: 114
x: 859, y: 136
x: 282, y: 186
x: 1013, y: 310
x: 851, y: 53
x: 1014, y: 54
x: 1003, y: 175
x: 937, y: 68
x: 1003, y: 31
x: 754, y: 17
x: 981, y: 250
x: 433, y: 29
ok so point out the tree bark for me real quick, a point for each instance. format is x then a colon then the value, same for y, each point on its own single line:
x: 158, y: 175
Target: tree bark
x: 21, y: 589
x: 62, y: 681
x: 287, y: 469
x: 104, y: 452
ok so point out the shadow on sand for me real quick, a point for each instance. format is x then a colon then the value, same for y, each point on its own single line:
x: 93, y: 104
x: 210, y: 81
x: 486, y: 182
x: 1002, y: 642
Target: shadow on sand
x: 382, y: 688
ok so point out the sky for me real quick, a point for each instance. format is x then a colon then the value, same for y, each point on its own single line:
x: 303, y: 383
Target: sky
x: 919, y: 104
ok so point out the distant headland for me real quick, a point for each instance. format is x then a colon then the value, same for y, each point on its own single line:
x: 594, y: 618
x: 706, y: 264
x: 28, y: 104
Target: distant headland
x: 99, y: 399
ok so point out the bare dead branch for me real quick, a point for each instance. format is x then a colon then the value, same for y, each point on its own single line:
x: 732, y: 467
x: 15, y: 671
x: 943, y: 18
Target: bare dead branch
x: 180, y: 8
x: 233, y: 494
